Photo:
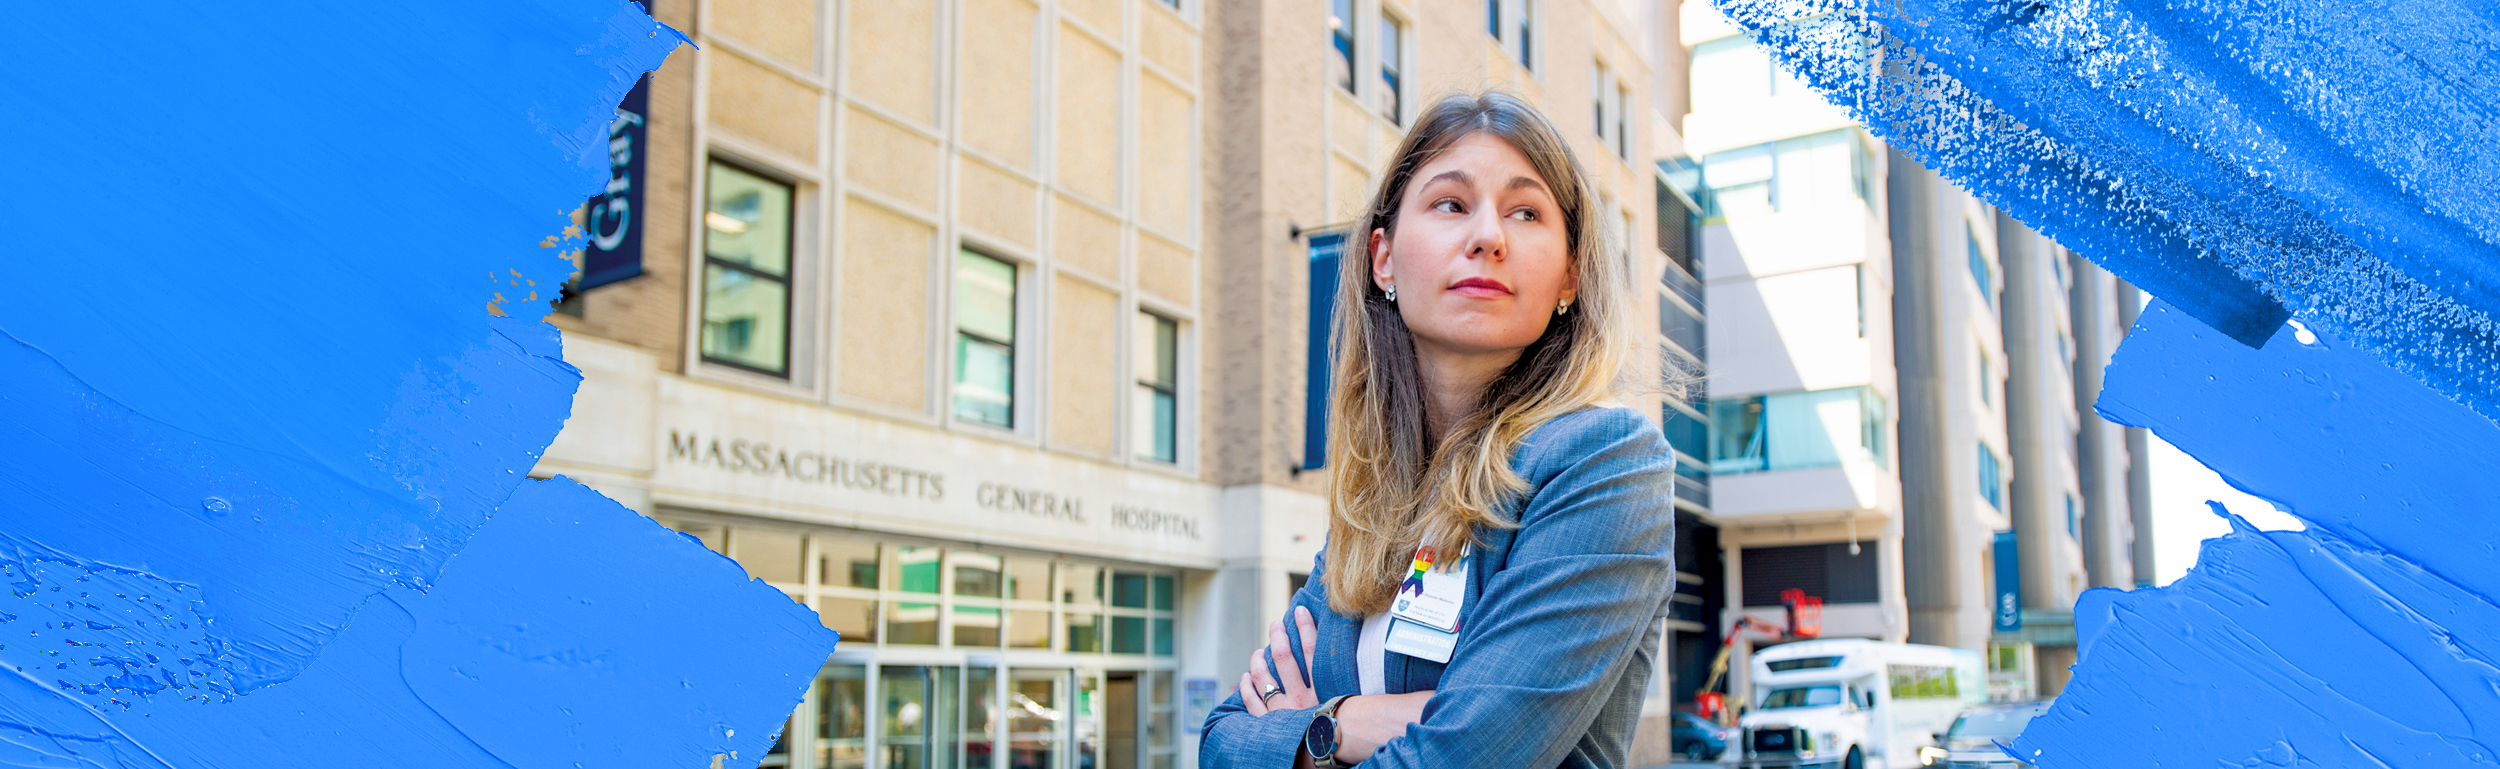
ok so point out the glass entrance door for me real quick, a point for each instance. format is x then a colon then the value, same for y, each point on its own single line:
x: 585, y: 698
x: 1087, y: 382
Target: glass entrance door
x: 887, y: 715
x: 921, y: 710
x: 1037, y: 719
x: 1119, y: 720
x: 982, y: 717
x: 841, y: 704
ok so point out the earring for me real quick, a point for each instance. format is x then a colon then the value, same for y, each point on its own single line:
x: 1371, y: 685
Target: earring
x: 1562, y: 308
x: 1393, y: 292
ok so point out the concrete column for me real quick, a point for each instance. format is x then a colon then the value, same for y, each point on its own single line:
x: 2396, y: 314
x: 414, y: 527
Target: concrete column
x: 1888, y: 571
x: 1930, y: 544
x: 2139, y: 470
x: 2102, y: 464
x: 2036, y: 437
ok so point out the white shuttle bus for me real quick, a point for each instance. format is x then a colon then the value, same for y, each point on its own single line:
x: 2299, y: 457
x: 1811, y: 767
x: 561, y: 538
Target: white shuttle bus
x: 1854, y: 703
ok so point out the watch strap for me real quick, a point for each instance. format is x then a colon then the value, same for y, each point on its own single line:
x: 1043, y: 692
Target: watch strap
x: 1327, y: 710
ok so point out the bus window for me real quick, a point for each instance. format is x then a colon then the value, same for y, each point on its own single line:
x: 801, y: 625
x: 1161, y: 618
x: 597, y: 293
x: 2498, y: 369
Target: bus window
x: 1802, y: 697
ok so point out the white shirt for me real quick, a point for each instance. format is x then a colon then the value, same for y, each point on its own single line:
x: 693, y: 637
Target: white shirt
x: 1371, y: 654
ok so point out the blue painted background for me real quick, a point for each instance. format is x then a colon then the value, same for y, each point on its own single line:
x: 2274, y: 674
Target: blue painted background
x: 2251, y: 164
x: 262, y: 445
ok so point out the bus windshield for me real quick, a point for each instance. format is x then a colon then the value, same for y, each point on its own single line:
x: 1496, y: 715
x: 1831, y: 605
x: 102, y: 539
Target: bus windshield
x: 1802, y: 697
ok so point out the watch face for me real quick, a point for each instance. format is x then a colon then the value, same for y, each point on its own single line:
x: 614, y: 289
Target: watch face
x: 1323, y: 736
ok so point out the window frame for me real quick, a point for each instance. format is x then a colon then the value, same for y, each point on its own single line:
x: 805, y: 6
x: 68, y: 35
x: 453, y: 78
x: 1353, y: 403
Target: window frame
x: 1019, y: 421
x: 1991, y: 472
x: 1513, y: 24
x: 1624, y: 143
x: 1612, y: 100
x: 1745, y: 424
x: 1344, y: 43
x: 1599, y: 91
x: 1983, y: 264
x: 1392, y: 65
x: 1987, y: 376
x: 1138, y: 384
x: 789, y: 280
x: 1164, y: 584
x: 1775, y: 184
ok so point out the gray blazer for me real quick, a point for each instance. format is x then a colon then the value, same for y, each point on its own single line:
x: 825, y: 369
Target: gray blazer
x: 1558, y: 635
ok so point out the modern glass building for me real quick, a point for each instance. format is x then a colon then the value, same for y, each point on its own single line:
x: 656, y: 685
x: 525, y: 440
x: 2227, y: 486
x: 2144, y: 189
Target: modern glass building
x: 1693, y: 621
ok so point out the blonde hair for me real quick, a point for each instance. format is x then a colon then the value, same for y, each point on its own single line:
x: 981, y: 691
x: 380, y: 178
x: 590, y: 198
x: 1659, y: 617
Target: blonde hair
x: 1390, y: 492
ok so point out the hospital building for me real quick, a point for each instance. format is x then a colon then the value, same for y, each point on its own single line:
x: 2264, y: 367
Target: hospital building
x: 991, y: 330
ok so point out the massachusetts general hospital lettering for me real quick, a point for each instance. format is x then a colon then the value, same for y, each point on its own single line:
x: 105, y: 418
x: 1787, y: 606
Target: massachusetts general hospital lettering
x: 811, y: 466
x: 760, y: 458
x: 1039, y: 504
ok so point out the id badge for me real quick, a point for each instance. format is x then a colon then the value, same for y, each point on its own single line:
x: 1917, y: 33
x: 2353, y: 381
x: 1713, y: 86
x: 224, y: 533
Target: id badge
x: 1431, y: 597
x: 1420, y: 642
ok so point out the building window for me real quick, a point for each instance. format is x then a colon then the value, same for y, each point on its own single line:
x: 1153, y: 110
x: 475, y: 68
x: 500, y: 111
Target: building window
x: 1523, y: 31
x: 1980, y: 270
x: 2074, y: 521
x: 1797, y: 430
x: 1391, y: 99
x: 1809, y: 172
x: 1687, y: 431
x: 1682, y: 326
x: 1512, y: 24
x: 1828, y: 571
x: 1611, y: 104
x: 1598, y: 95
x: 1341, y: 40
x: 1157, y: 402
x: 1987, y: 379
x: 1623, y: 121
x: 1858, y: 271
x: 746, y: 271
x: 887, y: 593
x: 1679, y: 209
x: 985, y: 340
x: 1991, y: 481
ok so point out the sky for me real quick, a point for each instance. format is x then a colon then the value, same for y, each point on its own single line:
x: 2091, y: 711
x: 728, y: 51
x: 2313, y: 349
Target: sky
x: 2181, y: 521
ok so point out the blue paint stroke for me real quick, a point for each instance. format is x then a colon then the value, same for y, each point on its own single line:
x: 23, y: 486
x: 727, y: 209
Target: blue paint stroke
x: 2369, y: 639
x: 2240, y: 159
x: 261, y: 443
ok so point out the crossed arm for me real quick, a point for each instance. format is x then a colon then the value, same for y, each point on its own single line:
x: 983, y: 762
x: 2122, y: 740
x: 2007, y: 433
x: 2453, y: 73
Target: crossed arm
x: 1365, y: 723
x: 1560, y: 625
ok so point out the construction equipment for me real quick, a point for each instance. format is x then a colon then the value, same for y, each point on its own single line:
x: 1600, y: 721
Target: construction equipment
x: 1805, y: 620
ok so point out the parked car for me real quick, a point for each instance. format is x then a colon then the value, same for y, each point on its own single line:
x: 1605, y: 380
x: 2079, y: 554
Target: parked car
x: 1972, y: 741
x: 1696, y: 738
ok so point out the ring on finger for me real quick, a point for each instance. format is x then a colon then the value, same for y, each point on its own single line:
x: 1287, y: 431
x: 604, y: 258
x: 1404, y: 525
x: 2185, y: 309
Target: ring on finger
x: 1271, y: 693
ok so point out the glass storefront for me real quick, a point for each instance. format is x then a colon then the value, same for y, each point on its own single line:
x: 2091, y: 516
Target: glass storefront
x: 963, y: 657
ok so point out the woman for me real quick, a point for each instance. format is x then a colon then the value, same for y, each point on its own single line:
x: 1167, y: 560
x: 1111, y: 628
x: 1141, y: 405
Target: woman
x: 1499, y: 539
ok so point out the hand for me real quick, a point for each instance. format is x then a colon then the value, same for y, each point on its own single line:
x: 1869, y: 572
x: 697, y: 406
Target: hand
x: 1368, y: 722
x: 1291, y: 693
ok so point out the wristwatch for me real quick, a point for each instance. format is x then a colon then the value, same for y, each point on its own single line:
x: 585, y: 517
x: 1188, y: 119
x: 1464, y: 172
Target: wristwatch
x: 1320, y: 740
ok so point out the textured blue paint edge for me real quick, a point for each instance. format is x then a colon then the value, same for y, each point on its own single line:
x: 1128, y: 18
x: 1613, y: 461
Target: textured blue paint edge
x: 2228, y: 157
x: 262, y: 444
